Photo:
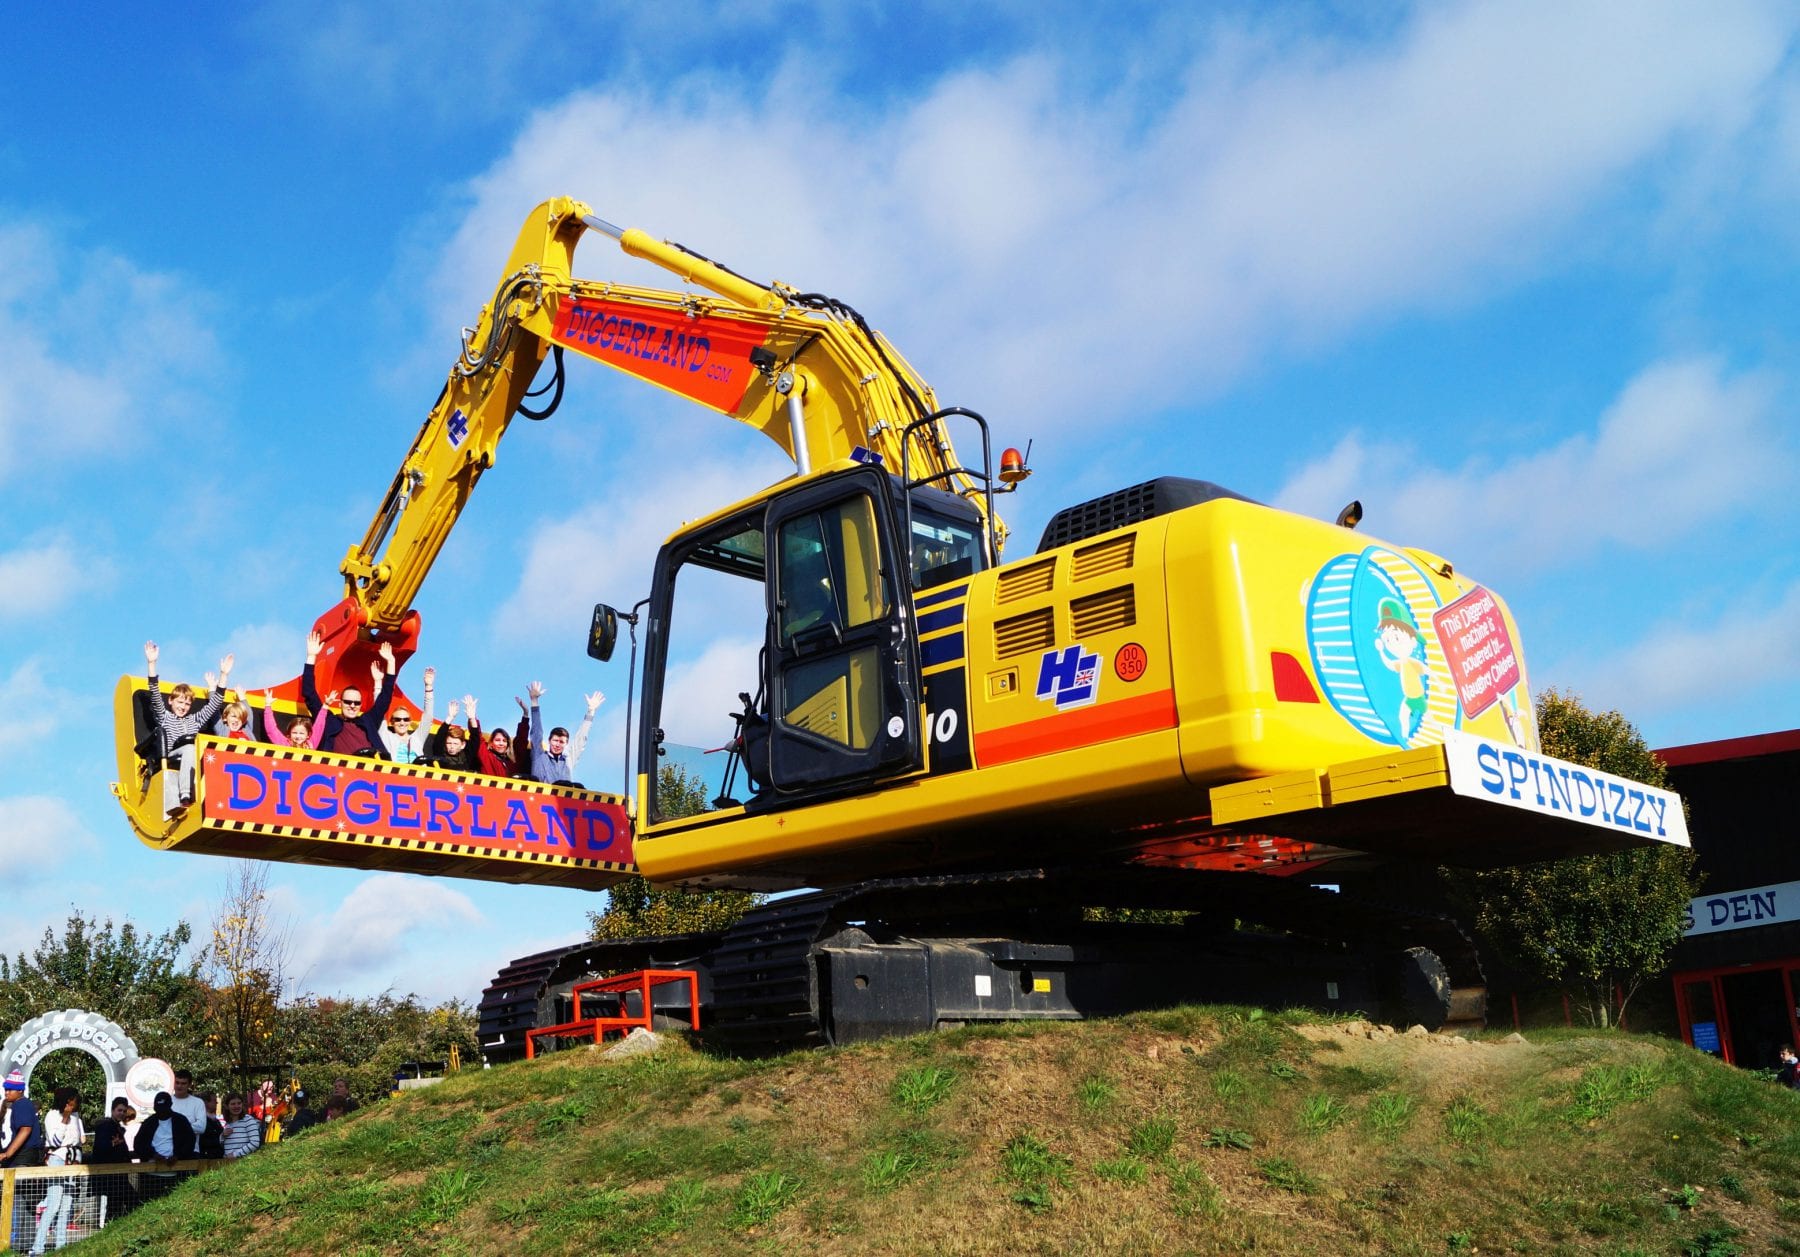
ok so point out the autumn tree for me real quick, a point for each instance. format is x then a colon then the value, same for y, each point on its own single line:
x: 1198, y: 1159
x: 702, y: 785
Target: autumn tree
x: 1597, y: 927
x: 635, y: 909
x: 246, y: 969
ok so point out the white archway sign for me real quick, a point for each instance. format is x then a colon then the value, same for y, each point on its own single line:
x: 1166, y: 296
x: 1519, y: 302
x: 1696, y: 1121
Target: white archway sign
x: 72, y: 1028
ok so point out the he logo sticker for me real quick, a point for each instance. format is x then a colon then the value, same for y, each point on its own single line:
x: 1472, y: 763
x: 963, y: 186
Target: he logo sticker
x: 1070, y: 677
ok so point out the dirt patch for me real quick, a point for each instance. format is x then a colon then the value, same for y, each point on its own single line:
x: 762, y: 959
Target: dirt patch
x: 1441, y: 1065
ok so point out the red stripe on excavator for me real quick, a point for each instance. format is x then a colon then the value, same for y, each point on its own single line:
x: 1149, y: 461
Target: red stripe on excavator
x: 1070, y: 730
x: 704, y: 357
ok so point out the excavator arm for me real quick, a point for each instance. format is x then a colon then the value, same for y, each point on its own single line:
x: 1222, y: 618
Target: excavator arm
x: 803, y: 369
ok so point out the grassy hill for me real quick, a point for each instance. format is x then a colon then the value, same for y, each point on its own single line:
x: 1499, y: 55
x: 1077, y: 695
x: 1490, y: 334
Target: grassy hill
x: 1195, y: 1130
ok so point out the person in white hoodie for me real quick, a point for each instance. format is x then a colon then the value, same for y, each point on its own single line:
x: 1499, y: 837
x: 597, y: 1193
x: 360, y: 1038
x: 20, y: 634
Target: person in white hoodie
x: 405, y: 741
x: 63, y: 1136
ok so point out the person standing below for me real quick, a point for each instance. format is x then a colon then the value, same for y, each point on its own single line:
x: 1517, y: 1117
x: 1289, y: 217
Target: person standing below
x: 165, y: 1135
x: 188, y: 1104
x: 243, y: 1133
x: 63, y: 1135
x: 111, y: 1146
x: 554, y: 760
x: 340, y: 1091
x: 21, y: 1134
x: 180, y: 724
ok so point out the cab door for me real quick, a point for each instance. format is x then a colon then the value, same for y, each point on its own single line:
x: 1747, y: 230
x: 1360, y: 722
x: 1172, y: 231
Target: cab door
x: 843, y: 660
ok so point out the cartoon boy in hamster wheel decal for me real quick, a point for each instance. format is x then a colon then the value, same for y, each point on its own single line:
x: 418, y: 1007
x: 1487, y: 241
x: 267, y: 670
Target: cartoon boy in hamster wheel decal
x: 1397, y: 642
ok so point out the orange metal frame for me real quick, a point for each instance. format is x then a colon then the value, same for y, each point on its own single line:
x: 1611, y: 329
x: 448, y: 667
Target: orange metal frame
x: 641, y: 981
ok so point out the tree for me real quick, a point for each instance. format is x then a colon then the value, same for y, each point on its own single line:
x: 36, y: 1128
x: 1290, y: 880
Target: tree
x: 1597, y: 927
x: 148, y: 984
x: 247, y: 969
x: 636, y: 909
x: 367, y: 1041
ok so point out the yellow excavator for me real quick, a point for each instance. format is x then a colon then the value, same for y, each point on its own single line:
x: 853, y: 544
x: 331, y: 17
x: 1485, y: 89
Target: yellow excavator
x: 1182, y: 700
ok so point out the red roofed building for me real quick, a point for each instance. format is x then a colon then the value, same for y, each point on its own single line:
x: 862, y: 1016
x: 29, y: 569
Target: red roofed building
x: 1737, y: 973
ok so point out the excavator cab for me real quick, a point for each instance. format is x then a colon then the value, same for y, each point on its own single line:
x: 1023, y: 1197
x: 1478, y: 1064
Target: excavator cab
x: 835, y: 666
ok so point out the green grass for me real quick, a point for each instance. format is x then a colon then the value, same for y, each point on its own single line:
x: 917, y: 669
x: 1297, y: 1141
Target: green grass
x: 1153, y: 1139
x: 1196, y: 1129
x: 919, y: 1089
x: 1033, y: 1170
x: 1390, y: 1113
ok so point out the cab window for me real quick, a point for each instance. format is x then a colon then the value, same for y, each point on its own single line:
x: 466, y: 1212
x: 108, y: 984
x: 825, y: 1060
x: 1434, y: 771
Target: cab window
x: 943, y: 549
x: 829, y: 576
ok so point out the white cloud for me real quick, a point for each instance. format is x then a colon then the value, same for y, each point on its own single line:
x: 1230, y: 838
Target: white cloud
x: 607, y: 550
x: 100, y: 353
x: 386, y: 916
x: 44, y: 574
x: 40, y: 835
x: 703, y: 692
x: 1685, y: 443
x: 266, y: 654
x: 1041, y: 251
x: 1740, y: 651
x: 35, y: 709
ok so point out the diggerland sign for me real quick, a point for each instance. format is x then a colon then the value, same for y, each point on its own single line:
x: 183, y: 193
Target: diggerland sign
x: 244, y: 786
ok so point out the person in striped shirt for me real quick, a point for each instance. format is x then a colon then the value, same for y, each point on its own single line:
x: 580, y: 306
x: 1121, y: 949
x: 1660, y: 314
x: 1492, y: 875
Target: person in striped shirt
x: 243, y: 1133
x: 179, y: 724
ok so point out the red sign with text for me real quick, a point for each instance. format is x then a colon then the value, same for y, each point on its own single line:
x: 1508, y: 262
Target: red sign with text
x: 377, y: 799
x: 1477, y: 648
x: 703, y: 357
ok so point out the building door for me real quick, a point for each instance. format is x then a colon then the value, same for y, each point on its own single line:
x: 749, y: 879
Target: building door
x: 1697, y: 997
x: 1741, y: 1015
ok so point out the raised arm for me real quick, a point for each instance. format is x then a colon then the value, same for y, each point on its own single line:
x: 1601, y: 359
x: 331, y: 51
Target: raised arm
x: 578, y: 743
x: 152, y: 652
x: 384, y: 678
x: 215, y: 700
x: 308, y: 691
x: 271, y: 730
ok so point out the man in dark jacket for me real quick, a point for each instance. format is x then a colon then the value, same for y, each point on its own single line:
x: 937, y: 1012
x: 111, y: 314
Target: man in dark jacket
x: 358, y: 730
x: 109, y: 1135
x: 165, y: 1135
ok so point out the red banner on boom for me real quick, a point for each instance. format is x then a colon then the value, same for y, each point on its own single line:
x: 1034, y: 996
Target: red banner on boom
x: 703, y: 357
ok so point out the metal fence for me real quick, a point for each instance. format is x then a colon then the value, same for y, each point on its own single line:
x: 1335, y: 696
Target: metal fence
x: 49, y: 1207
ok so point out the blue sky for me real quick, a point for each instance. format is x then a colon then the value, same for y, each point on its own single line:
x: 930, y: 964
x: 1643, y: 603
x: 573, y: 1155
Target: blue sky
x: 1520, y: 277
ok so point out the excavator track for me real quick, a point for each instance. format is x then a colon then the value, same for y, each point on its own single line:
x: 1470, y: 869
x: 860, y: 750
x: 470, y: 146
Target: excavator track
x: 770, y: 991
x: 532, y: 991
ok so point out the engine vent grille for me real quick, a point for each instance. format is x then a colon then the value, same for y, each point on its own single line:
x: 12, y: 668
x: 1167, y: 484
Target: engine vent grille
x: 1023, y: 634
x: 1106, y: 556
x: 1103, y: 613
x: 1023, y: 582
x: 1129, y: 506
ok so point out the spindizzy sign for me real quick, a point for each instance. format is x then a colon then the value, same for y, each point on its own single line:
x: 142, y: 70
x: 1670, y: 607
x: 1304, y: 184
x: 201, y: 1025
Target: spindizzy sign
x: 334, y: 798
x: 1484, y: 769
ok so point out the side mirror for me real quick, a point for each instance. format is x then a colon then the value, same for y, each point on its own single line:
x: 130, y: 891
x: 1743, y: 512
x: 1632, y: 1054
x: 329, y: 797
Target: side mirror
x: 603, y: 633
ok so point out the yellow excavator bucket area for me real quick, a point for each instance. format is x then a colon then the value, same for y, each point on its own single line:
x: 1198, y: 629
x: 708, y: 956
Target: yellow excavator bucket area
x: 255, y: 800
